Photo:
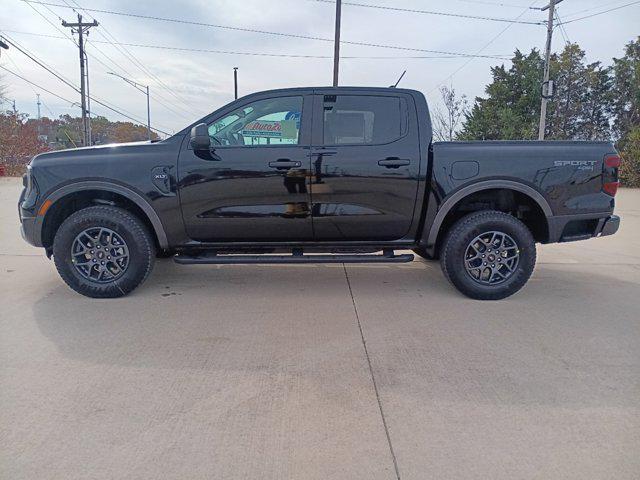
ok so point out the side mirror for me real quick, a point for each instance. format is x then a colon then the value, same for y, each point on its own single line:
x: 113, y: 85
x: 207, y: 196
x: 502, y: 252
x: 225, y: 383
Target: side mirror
x: 200, y: 137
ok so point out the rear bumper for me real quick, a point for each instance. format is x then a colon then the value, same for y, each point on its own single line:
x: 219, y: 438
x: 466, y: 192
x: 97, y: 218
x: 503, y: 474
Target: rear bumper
x: 609, y: 226
x: 570, y: 228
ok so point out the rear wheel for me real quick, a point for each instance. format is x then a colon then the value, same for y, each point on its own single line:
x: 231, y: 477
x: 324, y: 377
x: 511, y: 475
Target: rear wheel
x: 103, y: 251
x: 488, y: 255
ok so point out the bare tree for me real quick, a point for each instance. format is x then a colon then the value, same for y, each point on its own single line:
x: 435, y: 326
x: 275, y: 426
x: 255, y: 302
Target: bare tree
x: 447, y: 116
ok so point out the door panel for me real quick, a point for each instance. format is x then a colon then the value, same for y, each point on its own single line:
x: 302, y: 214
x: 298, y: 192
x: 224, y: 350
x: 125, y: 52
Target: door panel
x: 253, y: 187
x: 362, y: 189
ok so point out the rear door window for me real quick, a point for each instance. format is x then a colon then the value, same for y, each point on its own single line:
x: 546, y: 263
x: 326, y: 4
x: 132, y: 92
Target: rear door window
x: 363, y: 120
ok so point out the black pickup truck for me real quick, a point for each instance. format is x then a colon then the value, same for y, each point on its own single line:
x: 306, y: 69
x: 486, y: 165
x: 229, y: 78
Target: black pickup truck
x: 316, y: 175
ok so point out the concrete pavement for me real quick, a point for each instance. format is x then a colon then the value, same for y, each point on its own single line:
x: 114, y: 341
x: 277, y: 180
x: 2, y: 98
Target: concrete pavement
x: 326, y: 372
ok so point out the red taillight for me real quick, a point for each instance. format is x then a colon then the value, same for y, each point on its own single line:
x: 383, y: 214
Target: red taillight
x: 611, y: 188
x: 612, y: 161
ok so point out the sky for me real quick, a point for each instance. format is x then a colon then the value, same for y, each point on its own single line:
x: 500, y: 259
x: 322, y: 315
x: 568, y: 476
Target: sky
x: 186, y: 84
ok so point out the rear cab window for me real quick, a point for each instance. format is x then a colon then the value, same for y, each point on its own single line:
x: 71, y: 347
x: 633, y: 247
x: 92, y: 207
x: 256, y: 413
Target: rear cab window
x: 363, y: 119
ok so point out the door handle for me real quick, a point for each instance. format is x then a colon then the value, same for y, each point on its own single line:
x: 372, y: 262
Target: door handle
x: 284, y: 164
x: 394, y: 162
x: 322, y: 152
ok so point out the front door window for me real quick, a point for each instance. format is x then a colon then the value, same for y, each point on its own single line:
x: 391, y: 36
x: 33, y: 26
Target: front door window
x: 273, y: 121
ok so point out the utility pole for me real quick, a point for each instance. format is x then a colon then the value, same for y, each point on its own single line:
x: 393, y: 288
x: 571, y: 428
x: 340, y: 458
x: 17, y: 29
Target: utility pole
x: 336, y: 43
x: 235, y: 83
x: 89, y: 135
x: 141, y: 88
x: 547, y: 59
x: 82, y: 28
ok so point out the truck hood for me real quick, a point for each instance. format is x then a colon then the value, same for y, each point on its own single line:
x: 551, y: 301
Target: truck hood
x: 75, y: 153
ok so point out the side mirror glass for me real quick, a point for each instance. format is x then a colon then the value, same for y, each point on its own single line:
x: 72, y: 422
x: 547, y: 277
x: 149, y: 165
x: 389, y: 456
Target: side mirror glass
x: 200, y: 137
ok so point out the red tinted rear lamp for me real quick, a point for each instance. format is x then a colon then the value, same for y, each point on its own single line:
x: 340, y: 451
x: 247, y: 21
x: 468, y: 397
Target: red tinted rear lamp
x: 611, y: 188
x: 612, y: 161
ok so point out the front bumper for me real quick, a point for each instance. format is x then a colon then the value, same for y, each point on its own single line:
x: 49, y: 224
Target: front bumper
x: 29, y: 231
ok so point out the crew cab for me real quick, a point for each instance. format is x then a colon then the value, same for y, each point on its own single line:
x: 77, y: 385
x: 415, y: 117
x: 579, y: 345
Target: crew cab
x: 336, y: 174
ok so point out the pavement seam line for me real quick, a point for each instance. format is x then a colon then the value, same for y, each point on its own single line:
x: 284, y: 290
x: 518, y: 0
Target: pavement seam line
x: 373, y: 378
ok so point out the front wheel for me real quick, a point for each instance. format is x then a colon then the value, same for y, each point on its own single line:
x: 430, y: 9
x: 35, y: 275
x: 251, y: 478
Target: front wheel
x: 488, y: 255
x: 103, y: 251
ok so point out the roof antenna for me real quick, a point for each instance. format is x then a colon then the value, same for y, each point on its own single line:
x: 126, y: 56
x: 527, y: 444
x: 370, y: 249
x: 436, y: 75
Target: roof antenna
x: 396, y: 84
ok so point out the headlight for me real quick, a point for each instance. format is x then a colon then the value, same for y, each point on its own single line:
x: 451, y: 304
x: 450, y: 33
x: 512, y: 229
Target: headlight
x: 31, y: 189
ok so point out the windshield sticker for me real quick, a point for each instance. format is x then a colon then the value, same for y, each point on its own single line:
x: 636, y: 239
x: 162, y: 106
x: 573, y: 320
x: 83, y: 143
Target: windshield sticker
x: 262, y: 128
x: 271, y: 129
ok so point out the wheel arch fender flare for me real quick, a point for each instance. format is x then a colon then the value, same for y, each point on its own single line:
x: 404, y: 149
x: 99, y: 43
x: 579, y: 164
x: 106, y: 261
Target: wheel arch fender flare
x: 431, y: 231
x: 126, y: 192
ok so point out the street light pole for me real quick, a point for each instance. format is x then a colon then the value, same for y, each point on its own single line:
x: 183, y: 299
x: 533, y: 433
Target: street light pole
x: 148, y: 115
x: 144, y: 89
x: 235, y: 83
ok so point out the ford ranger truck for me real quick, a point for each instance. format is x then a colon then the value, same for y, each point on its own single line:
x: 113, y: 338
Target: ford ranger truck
x: 316, y: 175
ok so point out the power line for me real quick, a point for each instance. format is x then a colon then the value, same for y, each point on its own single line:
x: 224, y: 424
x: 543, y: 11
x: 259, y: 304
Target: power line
x: 563, y: 31
x: 601, y: 13
x: 430, y: 12
x: 50, y: 22
x: 71, y: 39
x: 76, y: 89
x: 133, y: 59
x: 72, y: 103
x: 113, y: 62
x: 41, y: 63
x: 30, y: 85
x: 486, y: 45
x: 37, y: 86
x: 498, y: 4
x: 98, y: 51
x: 262, y: 54
x: 266, y: 32
x: 590, y: 9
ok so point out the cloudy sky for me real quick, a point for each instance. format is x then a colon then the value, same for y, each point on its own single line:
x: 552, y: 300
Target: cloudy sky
x: 186, y: 83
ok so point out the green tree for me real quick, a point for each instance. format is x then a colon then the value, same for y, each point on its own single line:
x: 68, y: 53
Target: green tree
x: 626, y: 81
x: 626, y: 112
x: 511, y: 109
x: 580, y: 109
x: 630, y: 169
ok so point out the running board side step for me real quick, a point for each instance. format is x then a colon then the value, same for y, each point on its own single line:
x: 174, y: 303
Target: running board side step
x: 208, y: 258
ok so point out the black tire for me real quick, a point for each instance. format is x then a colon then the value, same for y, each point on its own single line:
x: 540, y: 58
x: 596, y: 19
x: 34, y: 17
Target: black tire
x: 129, y: 228
x: 457, y: 246
x: 422, y: 253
